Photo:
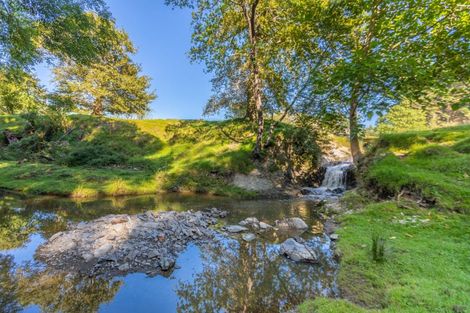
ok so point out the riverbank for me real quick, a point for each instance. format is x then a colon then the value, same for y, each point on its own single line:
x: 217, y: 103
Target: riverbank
x: 86, y: 157
x: 425, y: 267
x: 413, y: 205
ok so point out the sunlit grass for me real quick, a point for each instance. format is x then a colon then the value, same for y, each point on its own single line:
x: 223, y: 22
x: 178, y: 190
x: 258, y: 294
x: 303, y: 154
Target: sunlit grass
x: 426, y: 268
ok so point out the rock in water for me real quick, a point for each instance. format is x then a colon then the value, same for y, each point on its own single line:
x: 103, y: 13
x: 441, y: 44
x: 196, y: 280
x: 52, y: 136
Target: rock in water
x: 292, y: 223
x: 264, y: 226
x: 249, y: 221
x: 297, y: 251
x: 249, y: 237
x: 235, y: 228
x: 117, y: 244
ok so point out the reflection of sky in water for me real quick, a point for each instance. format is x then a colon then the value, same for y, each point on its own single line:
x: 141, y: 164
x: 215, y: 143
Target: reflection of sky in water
x: 154, y: 294
x: 26, y: 252
x: 209, y: 277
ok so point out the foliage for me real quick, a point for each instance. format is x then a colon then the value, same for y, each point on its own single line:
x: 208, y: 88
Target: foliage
x: 403, y: 283
x: 29, y: 30
x: 377, y: 52
x: 401, y: 118
x: 409, y: 115
x: 19, y: 92
x: 110, y: 85
x: 432, y: 165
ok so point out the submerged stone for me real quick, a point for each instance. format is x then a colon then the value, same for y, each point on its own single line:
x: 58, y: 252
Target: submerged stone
x: 248, y: 237
x: 235, y: 228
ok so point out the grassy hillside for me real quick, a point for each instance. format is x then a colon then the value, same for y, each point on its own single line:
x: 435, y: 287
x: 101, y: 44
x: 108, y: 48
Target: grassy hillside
x: 432, y: 165
x: 86, y: 156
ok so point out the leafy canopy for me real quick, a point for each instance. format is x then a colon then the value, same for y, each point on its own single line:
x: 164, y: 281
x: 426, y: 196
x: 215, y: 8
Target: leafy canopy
x: 112, y: 84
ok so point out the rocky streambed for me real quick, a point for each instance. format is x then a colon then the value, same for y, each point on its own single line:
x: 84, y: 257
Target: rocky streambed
x: 151, y: 242
x: 120, y: 244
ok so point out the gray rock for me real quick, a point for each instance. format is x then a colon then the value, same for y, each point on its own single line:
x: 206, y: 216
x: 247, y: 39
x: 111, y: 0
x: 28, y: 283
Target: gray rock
x: 298, y: 251
x: 249, y: 221
x: 334, y: 236
x: 248, y: 237
x: 235, y: 228
x: 166, y: 263
x: 114, y: 244
x: 264, y: 226
x: 293, y: 223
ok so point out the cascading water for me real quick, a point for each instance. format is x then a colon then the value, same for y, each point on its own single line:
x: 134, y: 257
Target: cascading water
x: 333, y: 183
x: 335, y: 176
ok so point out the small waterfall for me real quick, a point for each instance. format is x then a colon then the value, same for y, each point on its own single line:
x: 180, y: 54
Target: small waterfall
x: 335, y: 176
x: 333, y: 184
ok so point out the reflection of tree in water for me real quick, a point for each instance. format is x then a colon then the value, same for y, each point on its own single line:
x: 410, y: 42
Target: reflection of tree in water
x: 251, y: 277
x: 8, y: 287
x: 15, y: 224
x: 54, y: 292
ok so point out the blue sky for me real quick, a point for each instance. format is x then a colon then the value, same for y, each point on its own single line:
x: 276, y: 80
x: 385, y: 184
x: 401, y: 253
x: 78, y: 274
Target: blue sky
x: 163, y: 37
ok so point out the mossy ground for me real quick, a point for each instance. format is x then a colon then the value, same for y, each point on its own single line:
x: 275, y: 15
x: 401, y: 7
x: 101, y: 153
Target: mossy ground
x: 426, y: 266
x: 151, y: 156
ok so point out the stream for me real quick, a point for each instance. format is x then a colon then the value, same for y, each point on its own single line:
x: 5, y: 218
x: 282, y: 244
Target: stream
x: 227, y: 275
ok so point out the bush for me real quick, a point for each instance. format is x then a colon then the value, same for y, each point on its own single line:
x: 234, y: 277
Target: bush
x: 95, y: 155
x: 378, y: 248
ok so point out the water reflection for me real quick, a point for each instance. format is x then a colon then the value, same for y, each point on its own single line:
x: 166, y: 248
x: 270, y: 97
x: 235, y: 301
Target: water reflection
x: 228, y: 275
x: 251, y: 277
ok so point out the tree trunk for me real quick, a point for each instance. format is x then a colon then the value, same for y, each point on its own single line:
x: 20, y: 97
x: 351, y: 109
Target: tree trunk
x: 356, y: 152
x: 259, y: 114
x: 97, y: 108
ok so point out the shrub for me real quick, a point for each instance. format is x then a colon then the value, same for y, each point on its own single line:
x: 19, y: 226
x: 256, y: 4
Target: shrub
x: 95, y: 155
x: 378, y: 248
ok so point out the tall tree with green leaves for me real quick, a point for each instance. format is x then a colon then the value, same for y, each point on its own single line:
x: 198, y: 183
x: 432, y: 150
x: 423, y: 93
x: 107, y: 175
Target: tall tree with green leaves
x: 380, y: 51
x: 229, y: 37
x: 111, y: 85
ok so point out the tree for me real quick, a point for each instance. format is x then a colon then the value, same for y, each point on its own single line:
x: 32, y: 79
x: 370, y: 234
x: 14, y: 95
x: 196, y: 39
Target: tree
x: 112, y: 84
x: 435, y: 112
x: 229, y: 36
x: 33, y: 29
x: 19, y: 92
x: 381, y: 51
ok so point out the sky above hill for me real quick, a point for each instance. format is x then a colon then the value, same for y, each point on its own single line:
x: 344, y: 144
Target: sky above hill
x: 163, y: 37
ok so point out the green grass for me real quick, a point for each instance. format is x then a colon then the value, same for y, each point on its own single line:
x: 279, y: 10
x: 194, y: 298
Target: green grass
x: 426, y: 266
x: 433, y: 165
x: 101, y: 156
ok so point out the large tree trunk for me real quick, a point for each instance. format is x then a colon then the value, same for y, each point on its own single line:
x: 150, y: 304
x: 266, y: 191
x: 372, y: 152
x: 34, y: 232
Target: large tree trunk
x: 356, y: 152
x: 257, y: 97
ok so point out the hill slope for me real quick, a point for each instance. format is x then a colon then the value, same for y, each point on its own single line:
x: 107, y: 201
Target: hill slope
x: 432, y: 165
x: 90, y: 156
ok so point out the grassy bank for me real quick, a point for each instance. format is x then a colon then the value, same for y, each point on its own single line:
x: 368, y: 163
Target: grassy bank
x: 425, y: 226
x: 98, y: 156
x: 433, y: 166
x: 426, y: 266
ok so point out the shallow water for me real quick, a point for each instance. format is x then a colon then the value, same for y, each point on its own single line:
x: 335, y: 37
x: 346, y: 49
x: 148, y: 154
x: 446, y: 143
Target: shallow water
x: 228, y: 275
